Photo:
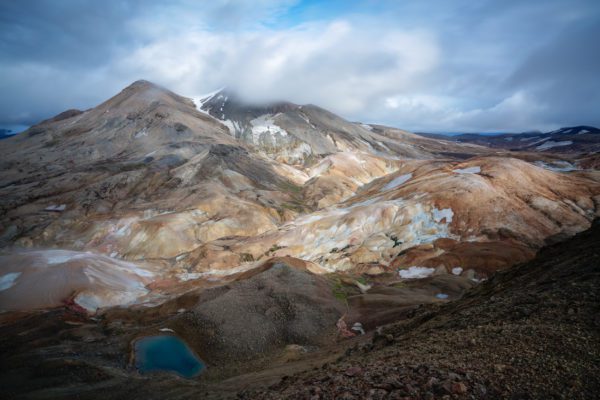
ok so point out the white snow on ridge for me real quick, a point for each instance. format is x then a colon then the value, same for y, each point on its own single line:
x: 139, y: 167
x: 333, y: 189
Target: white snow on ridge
x: 58, y: 256
x: 469, y: 170
x: 305, y: 118
x: 416, y: 272
x: 200, y: 100
x: 8, y: 280
x: 139, y: 134
x: 551, y: 143
x: 231, y: 125
x: 414, y: 223
x: 399, y: 180
x: 439, y: 215
x: 557, y: 166
x: 214, y: 273
x: 367, y: 127
x: 265, y: 124
x: 95, y: 280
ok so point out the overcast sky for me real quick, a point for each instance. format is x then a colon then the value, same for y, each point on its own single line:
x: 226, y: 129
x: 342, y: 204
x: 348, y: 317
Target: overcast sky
x: 426, y: 65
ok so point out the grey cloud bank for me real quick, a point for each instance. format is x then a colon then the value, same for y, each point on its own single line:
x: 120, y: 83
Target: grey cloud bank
x: 420, y: 65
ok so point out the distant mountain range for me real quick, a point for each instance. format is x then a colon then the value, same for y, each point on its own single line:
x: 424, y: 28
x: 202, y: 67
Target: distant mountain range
x: 5, y: 133
x: 570, y: 139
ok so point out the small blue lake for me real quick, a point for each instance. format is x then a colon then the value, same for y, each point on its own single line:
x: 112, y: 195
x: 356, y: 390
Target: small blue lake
x: 166, y: 353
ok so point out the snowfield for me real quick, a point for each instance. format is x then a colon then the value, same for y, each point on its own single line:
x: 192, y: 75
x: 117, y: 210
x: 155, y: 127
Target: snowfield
x: 469, y: 170
x: 394, y: 183
x: 557, y: 166
x: 416, y: 272
x: 265, y: 124
x: 551, y: 144
x: 8, y: 280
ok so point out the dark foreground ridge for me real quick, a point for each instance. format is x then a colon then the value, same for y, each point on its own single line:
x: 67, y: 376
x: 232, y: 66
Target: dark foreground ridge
x: 530, y: 332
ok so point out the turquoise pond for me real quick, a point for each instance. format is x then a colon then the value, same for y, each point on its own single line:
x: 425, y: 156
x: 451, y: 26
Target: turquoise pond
x: 166, y: 353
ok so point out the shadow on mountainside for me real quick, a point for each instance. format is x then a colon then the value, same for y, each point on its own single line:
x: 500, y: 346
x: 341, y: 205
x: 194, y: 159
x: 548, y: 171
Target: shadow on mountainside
x: 529, y: 332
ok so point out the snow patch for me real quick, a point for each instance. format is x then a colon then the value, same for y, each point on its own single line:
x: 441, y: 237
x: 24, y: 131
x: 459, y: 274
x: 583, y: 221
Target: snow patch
x: 199, y: 101
x: 97, y: 280
x: 416, y: 272
x: 8, y: 280
x: 139, y: 134
x: 551, y: 144
x: 557, y: 166
x: 394, y: 183
x: 457, y: 271
x: 213, y: 273
x: 439, y: 215
x: 231, y: 125
x: 469, y: 170
x: 367, y: 202
x: 54, y: 257
x: 265, y: 125
x: 305, y: 118
x: 55, y: 207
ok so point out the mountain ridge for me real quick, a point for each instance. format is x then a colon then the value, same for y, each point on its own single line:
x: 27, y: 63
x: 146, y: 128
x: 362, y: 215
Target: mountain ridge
x: 157, y: 180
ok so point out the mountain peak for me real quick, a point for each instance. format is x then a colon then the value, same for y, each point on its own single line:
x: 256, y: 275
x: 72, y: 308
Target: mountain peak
x: 143, y: 93
x: 142, y: 84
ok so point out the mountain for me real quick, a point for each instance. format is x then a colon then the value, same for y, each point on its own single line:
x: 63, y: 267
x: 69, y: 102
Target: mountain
x: 302, y: 133
x: 580, y: 139
x: 258, y: 234
x: 147, y: 177
x: 144, y: 153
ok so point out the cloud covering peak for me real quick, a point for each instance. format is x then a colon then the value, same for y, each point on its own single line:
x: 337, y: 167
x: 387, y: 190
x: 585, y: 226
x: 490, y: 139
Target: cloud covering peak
x: 436, y: 66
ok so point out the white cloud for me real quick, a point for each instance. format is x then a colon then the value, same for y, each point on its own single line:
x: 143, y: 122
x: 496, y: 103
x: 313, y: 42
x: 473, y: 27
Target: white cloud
x: 418, y: 65
x: 340, y: 65
x: 517, y: 112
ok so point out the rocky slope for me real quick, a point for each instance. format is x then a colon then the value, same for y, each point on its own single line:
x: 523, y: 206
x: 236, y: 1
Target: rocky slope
x: 482, y: 202
x: 297, y: 134
x: 186, y: 193
x: 529, y: 332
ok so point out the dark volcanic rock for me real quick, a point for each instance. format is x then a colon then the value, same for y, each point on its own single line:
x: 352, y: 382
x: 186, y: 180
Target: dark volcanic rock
x: 528, y: 332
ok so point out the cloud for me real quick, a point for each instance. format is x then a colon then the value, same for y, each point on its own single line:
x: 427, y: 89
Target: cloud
x: 563, y: 75
x: 339, y: 64
x: 435, y: 65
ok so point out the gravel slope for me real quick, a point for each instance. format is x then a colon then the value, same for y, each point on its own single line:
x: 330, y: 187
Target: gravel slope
x: 529, y: 332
